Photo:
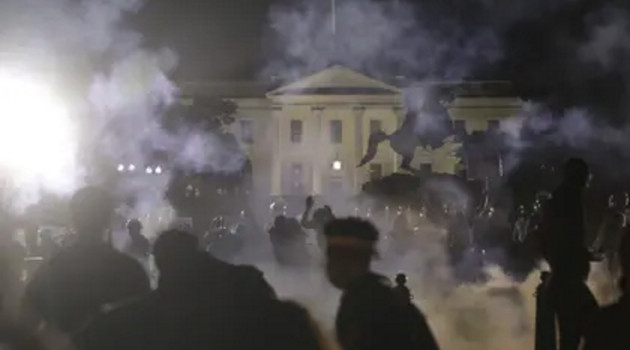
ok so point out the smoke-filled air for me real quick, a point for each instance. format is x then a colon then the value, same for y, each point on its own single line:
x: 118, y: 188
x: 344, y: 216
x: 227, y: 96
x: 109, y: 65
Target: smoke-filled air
x: 306, y: 174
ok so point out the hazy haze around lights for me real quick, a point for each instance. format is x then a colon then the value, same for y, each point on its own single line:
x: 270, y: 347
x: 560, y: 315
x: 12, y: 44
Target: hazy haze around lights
x: 37, y: 136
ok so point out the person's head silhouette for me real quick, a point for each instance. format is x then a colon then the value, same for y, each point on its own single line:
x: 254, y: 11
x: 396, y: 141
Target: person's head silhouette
x: 134, y: 226
x: 92, y: 209
x: 576, y: 173
x: 174, y: 249
x: 349, y: 249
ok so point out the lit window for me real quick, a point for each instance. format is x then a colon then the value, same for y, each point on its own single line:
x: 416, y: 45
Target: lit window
x: 336, y: 131
x: 296, y: 131
x: 247, y: 131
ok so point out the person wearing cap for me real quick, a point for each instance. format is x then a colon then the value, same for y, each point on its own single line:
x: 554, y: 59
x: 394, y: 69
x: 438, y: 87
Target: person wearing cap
x: 370, y: 314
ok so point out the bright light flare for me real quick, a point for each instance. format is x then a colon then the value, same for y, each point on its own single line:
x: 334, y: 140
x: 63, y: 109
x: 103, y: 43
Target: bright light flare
x: 37, y: 138
x: 336, y: 165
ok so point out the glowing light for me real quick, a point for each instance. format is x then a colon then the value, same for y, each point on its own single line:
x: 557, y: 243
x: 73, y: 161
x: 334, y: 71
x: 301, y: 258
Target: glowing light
x: 158, y: 170
x: 131, y: 167
x: 336, y: 165
x: 120, y: 168
x: 37, y: 139
x: 149, y: 170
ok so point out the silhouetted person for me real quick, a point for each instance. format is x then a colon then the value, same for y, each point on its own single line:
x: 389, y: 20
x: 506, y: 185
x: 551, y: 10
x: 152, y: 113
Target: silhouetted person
x: 371, y: 314
x: 402, y: 237
x: 610, y: 328
x: 139, y: 245
x: 200, y: 303
x: 401, y: 288
x: 222, y: 242
x: 564, y: 247
x: 321, y: 217
x: 289, y: 327
x: 288, y: 241
x: 75, y: 284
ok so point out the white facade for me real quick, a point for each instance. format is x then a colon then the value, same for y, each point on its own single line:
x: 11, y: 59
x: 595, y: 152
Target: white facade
x: 308, y: 137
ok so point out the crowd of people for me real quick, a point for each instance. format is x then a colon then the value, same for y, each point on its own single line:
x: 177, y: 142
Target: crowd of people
x: 87, y: 295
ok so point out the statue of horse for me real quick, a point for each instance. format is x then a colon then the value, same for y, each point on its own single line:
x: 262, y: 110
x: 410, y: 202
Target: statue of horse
x: 430, y: 126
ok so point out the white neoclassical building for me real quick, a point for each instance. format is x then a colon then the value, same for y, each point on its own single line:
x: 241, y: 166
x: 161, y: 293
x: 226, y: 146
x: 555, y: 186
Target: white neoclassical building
x: 307, y: 137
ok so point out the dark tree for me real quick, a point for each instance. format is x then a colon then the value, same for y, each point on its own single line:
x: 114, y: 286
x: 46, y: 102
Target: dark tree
x: 195, y: 194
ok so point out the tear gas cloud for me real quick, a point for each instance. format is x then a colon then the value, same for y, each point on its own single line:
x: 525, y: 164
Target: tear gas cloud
x: 126, y: 87
x: 41, y: 156
x: 380, y: 39
x: 47, y: 38
x: 131, y: 90
x: 535, y: 129
x: 375, y: 38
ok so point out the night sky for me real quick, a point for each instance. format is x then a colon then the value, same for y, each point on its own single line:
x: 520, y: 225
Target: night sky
x: 230, y: 39
x: 215, y: 39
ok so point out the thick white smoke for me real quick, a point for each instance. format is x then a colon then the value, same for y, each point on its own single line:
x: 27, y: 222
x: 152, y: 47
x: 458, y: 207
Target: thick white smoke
x: 54, y: 43
x: 536, y: 127
x: 119, y: 90
x: 380, y: 39
x: 608, y: 39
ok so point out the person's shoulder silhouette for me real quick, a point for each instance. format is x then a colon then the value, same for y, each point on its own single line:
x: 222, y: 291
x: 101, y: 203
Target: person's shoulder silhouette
x: 81, y: 279
x: 371, y: 314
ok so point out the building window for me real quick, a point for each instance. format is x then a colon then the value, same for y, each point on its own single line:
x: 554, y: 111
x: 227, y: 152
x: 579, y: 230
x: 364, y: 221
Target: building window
x: 375, y: 126
x: 493, y: 126
x: 297, y: 178
x: 376, y: 171
x: 426, y: 168
x: 247, y: 131
x: 296, y: 131
x: 459, y: 127
x: 336, y: 131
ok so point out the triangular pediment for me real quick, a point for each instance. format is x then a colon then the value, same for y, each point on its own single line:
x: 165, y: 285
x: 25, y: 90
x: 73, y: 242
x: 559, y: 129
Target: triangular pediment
x: 337, y: 80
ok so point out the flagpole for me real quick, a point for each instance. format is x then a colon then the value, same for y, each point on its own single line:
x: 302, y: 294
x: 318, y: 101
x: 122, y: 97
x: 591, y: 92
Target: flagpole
x: 333, y: 4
